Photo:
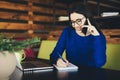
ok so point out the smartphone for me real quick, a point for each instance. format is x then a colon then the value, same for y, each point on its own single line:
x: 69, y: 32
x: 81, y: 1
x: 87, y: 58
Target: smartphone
x: 84, y: 30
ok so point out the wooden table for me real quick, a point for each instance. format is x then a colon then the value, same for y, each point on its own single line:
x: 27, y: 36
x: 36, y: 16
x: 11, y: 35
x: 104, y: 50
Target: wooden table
x: 84, y: 73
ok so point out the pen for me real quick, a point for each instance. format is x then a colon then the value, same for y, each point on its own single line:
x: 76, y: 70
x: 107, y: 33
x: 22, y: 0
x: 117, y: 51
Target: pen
x: 61, y: 57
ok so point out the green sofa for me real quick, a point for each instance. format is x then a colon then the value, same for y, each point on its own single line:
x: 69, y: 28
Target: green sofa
x: 113, y: 53
x: 113, y: 57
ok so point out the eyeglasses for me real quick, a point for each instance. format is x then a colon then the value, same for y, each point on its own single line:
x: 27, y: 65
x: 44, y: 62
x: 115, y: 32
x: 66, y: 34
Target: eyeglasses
x: 78, y: 21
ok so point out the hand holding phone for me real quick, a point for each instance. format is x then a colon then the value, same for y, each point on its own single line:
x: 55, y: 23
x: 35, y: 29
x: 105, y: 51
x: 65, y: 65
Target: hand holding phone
x: 90, y: 28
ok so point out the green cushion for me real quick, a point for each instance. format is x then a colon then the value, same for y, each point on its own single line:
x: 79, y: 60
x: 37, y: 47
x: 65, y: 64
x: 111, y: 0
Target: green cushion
x: 46, y: 48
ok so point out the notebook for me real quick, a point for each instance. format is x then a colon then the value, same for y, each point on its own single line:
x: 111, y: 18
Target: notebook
x: 70, y: 67
x: 33, y: 64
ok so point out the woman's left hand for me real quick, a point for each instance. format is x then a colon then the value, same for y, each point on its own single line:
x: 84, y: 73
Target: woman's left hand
x: 91, y: 29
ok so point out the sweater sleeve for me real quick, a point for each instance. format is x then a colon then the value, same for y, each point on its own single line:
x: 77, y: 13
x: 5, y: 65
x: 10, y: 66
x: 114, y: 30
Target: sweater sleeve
x: 99, y: 54
x: 59, y: 48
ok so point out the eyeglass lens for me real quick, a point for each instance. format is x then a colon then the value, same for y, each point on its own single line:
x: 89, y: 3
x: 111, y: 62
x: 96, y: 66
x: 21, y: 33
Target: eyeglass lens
x: 78, y: 21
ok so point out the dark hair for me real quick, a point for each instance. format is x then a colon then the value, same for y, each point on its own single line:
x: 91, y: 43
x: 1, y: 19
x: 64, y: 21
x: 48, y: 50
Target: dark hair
x: 82, y: 9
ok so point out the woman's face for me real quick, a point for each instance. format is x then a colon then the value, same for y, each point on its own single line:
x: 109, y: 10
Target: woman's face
x: 77, y: 20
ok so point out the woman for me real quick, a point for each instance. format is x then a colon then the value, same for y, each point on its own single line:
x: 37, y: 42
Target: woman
x: 84, y: 43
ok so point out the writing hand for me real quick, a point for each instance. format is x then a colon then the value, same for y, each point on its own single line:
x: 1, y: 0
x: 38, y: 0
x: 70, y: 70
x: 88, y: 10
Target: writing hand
x: 61, y: 63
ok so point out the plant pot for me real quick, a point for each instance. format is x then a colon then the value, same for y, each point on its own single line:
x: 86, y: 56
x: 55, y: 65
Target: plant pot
x: 7, y: 64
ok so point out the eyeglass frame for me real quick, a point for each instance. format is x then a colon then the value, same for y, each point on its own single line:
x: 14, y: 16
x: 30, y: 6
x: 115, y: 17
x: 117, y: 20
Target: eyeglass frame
x: 77, y: 21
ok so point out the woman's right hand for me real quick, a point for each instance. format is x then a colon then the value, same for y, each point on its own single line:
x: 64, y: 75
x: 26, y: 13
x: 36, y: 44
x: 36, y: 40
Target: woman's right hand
x: 61, y: 63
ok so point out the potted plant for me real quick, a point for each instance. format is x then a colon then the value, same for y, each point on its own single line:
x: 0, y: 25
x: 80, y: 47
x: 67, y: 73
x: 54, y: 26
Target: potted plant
x: 8, y: 47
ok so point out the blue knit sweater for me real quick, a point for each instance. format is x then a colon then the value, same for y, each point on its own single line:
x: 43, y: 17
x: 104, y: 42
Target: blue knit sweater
x: 80, y: 50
